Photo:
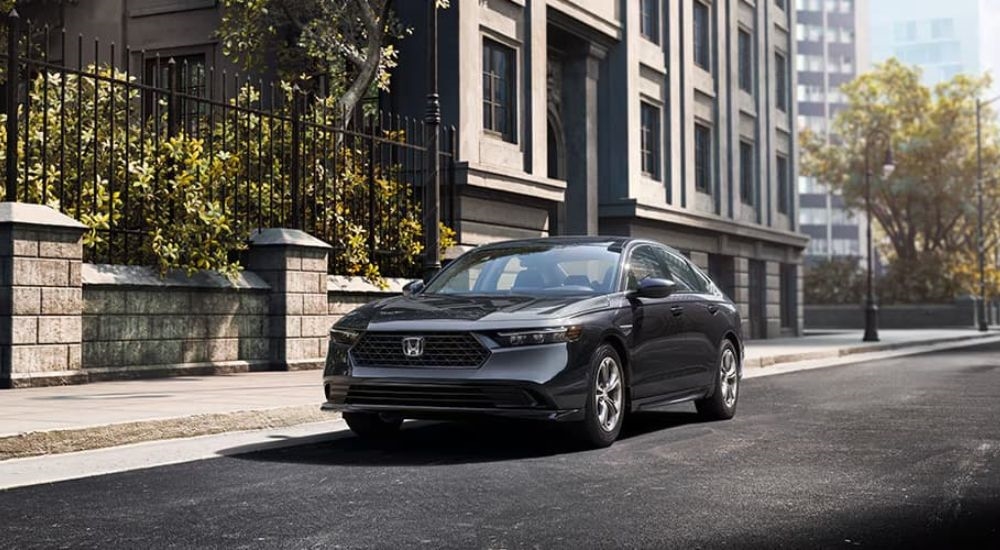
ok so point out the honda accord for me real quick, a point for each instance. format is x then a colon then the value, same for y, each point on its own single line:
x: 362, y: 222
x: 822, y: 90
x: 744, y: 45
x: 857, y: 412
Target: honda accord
x: 579, y: 330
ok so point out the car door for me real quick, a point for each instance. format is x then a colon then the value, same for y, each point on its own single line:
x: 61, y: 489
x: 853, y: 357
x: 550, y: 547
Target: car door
x: 702, y: 323
x: 656, y: 326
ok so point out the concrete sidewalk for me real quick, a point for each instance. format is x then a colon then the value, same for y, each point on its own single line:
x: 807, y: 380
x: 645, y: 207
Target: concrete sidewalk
x: 47, y: 420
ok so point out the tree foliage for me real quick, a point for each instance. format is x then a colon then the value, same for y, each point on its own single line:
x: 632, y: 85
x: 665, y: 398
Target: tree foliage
x: 346, y: 44
x: 926, y: 210
x: 189, y: 206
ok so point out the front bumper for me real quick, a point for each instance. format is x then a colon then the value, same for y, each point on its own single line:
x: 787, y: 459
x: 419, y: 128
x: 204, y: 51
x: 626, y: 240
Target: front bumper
x: 545, y: 382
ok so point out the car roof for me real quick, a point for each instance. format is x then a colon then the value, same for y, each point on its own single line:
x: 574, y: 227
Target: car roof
x: 570, y: 240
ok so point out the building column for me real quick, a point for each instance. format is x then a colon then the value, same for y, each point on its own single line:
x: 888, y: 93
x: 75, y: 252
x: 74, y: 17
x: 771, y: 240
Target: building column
x: 41, y: 296
x: 294, y: 264
x: 773, y: 301
x: 581, y: 113
x: 741, y: 292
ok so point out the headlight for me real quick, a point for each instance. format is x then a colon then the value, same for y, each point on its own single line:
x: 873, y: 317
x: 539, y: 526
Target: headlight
x: 541, y: 336
x: 344, y: 336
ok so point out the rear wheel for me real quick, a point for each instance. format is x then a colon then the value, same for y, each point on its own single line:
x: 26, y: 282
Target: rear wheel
x: 372, y: 425
x: 605, y: 406
x: 721, y: 405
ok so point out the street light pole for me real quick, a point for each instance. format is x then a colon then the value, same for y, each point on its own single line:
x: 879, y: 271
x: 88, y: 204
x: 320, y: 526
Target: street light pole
x: 432, y: 121
x: 980, y: 243
x: 871, y: 309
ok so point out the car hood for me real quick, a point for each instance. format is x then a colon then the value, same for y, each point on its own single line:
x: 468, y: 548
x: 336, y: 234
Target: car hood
x: 448, y: 311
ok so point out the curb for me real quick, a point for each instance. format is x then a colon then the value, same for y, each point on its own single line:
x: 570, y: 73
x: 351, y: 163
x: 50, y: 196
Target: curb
x: 763, y: 362
x: 112, y: 435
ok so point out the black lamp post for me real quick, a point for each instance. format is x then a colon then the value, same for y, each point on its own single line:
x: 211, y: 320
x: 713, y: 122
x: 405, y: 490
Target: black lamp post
x: 980, y: 238
x: 888, y: 166
x: 432, y: 121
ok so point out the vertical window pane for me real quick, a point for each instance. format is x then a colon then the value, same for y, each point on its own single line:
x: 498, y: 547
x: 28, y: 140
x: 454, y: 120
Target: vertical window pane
x: 498, y: 89
x: 702, y: 158
x: 702, y: 38
x: 649, y: 15
x: 780, y: 82
x: 783, y: 196
x: 747, y: 173
x: 650, y: 140
x: 746, y: 61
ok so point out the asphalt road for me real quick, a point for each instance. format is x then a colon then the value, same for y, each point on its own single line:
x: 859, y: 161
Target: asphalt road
x: 900, y: 452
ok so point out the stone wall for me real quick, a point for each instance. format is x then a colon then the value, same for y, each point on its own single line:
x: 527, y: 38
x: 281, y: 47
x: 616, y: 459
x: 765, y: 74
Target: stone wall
x: 136, y: 323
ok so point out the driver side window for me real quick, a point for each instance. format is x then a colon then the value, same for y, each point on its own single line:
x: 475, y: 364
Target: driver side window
x: 644, y: 262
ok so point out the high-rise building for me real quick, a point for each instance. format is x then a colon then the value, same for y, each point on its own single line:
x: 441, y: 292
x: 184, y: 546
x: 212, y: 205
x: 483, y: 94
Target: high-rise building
x: 942, y: 38
x: 832, y: 50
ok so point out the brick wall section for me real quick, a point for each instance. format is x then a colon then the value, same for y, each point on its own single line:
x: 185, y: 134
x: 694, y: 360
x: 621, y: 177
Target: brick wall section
x: 294, y: 264
x: 152, y: 330
x: 40, y: 296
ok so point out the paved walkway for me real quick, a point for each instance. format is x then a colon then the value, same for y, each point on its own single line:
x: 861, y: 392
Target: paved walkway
x: 58, y: 419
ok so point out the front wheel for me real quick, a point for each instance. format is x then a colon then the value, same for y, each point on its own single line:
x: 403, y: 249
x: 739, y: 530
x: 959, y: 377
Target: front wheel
x: 721, y: 405
x: 372, y: 425
x: 605, y: 406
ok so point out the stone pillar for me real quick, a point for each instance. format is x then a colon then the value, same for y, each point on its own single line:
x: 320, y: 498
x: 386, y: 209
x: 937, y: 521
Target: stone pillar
x: 294, y: 264
x: 773, y: 294
x: 581, y: 115
x: 741, y: 291
x: 41, y: 296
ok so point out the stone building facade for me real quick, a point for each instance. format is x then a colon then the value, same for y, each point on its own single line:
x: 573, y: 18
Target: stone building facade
x: 665, y: 119
x: 670, y: 120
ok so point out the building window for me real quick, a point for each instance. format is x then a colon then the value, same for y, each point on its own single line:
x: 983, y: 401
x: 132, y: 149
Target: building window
x: 783, y: 194
x: 747, y: 173
x: 781, y: 82
x: 702, y: 158
x: 746, y: 61
x: 191, y: 80
x: 649, y: 13
x: 702, y: 36
x: 650, y: 139
x: 498, y: 89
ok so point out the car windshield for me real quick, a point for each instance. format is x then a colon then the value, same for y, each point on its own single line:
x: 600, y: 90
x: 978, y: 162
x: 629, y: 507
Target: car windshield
x: 531, y: 269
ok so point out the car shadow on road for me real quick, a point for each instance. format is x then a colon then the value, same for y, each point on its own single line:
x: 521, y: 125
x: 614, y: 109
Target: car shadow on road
x: 426, y: 443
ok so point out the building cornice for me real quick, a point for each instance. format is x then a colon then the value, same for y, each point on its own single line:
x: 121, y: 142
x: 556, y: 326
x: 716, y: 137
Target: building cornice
x: 633, y: 209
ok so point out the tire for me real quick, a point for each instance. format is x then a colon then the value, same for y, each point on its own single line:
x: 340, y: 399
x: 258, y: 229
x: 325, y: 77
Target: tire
x: 606, y: 390
x: 721, y: 404
x: 372, y: 425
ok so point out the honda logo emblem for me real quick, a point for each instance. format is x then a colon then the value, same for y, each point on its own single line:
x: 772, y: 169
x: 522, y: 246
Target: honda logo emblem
x: 413, y: 346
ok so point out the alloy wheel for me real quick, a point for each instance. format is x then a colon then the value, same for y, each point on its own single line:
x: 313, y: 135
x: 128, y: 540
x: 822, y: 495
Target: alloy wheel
x: 609, y: 394
x: 729, y: 378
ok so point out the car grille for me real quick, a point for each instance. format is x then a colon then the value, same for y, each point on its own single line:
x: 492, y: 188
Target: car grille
x: 459, y: 350
x: 435, y: 395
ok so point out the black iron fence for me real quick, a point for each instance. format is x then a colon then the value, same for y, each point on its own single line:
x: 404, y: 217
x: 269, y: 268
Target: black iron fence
x: 134, y: 148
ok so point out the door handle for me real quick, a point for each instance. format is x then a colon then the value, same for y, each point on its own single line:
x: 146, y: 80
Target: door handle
x: 676, y: 310
x: 712, y: 308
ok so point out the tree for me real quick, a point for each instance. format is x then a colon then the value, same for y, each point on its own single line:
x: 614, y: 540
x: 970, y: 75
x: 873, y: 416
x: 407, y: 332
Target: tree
x: 343, y: 47
x: 927, y: 209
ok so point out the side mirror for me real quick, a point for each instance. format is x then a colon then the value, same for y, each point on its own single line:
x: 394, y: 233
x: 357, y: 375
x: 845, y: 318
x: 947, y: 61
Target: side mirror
x: 655, y: 288
x: 413, y: 287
